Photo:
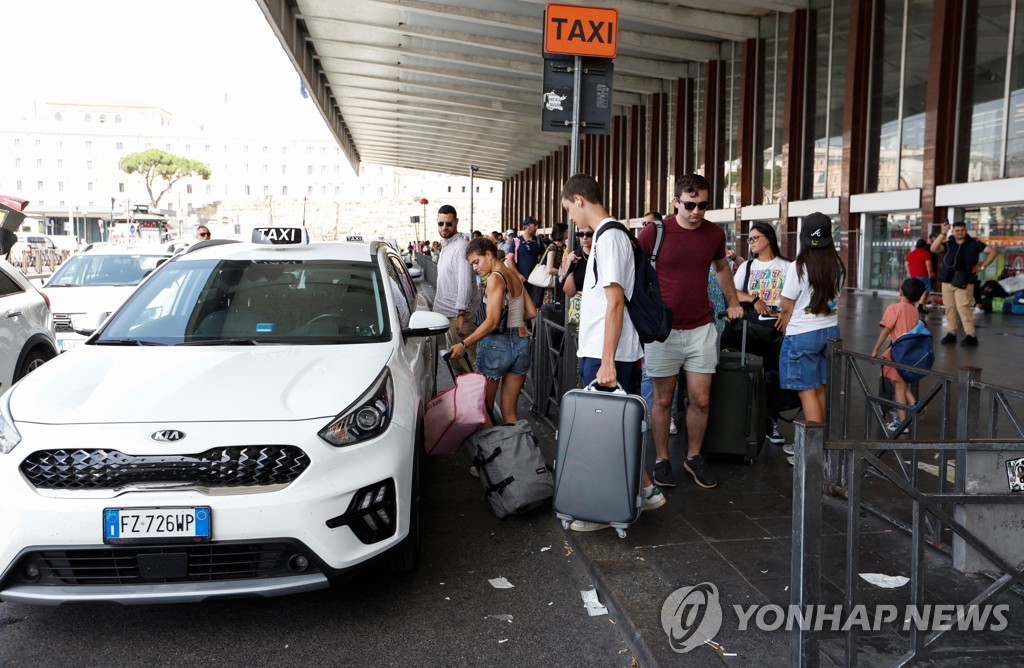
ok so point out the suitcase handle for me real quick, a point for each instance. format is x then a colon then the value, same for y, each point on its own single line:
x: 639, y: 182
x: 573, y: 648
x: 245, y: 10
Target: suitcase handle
x: 594, y: 387
x: 743, y: 340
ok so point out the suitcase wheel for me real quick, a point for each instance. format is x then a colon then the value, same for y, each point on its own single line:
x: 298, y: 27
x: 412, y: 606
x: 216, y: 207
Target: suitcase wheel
x: 621, y: 532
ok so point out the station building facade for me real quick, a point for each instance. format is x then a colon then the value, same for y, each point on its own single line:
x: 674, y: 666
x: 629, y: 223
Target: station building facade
x: 891, y: 116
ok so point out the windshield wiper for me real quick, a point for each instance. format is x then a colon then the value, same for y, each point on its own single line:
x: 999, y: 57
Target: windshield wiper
x: 221, y: 342
x: 127, y: 342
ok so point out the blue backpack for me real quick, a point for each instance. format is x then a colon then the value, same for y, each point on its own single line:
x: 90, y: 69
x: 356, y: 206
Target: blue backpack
x: 651, y: 318
x: 915, y: 348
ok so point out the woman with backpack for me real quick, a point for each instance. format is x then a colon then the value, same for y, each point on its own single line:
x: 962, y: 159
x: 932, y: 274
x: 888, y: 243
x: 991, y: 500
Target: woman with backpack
x: 809, y: 315
x: 759, y: 283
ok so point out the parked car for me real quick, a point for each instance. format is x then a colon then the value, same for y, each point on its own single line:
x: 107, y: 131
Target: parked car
x: 249, y: 422
x: 26, y: 329
x: 95, y: 281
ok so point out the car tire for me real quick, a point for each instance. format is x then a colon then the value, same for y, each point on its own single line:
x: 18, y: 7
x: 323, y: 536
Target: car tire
x: 406, y: 555
x: 33, y: 360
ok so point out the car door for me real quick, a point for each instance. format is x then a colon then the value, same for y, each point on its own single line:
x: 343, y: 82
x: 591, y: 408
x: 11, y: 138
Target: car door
x: 15, y: 325
x: 420, y: 351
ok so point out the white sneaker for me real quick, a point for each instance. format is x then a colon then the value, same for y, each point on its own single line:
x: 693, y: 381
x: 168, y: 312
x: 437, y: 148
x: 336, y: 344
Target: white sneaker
x: 978, y: 310
x: 653, y: 500
x: 788, y: 448
x: 672, y: 429
x: 791, y: 460
x: 581, y: 525
x: 473, y: 472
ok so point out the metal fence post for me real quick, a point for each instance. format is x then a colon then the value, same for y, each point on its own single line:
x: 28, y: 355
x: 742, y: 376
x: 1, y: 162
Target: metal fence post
x: 968, y: 423
x: 805, y: 562
x: 836, y: 397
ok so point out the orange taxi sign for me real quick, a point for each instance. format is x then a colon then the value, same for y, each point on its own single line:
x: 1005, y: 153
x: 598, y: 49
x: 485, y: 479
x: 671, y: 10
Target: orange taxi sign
x: 581, y: 31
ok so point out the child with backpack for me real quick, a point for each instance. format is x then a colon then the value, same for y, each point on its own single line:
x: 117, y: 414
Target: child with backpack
x: 899, y: 319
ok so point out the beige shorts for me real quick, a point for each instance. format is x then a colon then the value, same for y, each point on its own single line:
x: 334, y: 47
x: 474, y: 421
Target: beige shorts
x: 687, y: 349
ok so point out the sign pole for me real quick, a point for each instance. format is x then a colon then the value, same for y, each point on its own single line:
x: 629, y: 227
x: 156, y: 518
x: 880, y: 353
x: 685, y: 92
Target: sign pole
x: 577, y: 98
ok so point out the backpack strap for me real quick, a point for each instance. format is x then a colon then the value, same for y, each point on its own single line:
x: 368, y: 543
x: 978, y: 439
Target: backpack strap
x: 615, y: 225
x: 746, y: 279
x: 659, y: 236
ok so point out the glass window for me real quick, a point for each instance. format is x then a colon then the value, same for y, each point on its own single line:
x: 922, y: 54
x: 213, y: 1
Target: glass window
x: 202, y: 302
x: 983, y: 84
x: 1015, y: 134
x: 826, y: 63
x: 9, y: 286
x: 730, y: 155
x: 892, y: 236
x: 93, y: 270
x: 1002, y: 228
x: 774, y: 31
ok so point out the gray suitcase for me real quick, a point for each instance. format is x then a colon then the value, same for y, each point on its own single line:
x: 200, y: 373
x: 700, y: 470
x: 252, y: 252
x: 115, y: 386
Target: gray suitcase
x: 599, y: 461
x: 512, y: 469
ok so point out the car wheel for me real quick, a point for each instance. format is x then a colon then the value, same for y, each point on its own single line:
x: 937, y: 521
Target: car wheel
x: 33, y: 360
x: 406, y: 555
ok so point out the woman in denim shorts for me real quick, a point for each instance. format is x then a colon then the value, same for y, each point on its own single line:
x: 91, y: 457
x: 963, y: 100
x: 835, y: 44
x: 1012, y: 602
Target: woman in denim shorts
x: 809, y: 315
x: 503, y: 341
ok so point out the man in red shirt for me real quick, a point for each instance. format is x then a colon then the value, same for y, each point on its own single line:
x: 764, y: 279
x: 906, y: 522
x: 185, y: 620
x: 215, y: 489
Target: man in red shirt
x: 919, y: 266
x: 688, y: 248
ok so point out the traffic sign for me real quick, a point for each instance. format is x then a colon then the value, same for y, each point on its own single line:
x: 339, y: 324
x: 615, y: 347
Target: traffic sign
x: 595, y: 96
x: 581, y: 31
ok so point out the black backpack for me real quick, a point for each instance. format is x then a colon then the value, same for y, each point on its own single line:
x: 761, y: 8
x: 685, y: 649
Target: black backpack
x: 651, y: 318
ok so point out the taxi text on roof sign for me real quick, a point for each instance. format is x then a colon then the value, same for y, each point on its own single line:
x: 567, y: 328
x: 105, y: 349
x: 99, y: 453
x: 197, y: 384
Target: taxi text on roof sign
x: 277, y: 236
x: 581, y: 31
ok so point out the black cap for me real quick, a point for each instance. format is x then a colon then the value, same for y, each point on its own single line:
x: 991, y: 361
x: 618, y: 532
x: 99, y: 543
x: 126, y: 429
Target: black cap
x: 816, y: 231
x: 530, y: 220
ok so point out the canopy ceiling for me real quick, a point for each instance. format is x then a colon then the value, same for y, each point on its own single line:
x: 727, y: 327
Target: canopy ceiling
x: 441, y: 86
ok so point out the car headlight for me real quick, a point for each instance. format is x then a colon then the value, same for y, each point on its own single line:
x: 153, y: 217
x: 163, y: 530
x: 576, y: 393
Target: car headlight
x: 9, y: 436
x: 368, y: 417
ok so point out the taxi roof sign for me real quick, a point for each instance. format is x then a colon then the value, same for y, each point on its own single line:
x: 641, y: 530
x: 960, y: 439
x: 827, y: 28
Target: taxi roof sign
x: 278, y: 236
x: 581, y: 31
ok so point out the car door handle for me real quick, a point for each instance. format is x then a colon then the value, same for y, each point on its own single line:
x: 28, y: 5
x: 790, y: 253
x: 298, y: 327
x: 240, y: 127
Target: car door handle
x: 13, y: 313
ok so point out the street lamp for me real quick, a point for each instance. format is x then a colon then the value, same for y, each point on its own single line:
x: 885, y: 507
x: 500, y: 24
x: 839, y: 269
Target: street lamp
x: 424, y: 201
x: 472, y: 170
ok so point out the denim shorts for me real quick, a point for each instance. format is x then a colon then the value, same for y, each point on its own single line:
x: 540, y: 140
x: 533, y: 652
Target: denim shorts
x: 803, y: 362
x: 498, y: 354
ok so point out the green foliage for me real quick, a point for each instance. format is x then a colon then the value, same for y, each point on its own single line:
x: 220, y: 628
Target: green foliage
x: 161, y: 170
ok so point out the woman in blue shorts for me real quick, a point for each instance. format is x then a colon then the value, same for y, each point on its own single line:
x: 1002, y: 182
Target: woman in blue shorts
x: 503, y: 353
x: 809, y: 315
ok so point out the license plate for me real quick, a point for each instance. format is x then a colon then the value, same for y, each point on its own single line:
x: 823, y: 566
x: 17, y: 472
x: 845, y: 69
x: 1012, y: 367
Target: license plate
x: 68, y: 344
x: 156, y: 525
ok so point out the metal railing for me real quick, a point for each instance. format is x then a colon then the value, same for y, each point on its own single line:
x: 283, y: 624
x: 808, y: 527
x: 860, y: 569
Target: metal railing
x: 838, y: 460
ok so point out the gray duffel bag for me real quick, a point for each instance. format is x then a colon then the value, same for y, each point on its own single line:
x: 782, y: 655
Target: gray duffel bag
x: 512, y: 468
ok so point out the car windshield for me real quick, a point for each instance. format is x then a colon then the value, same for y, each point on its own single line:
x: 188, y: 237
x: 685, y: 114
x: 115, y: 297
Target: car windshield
x: 95, y: 270
x: 248, y: 302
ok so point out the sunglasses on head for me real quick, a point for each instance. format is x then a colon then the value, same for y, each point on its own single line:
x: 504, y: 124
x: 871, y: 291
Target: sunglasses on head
x: 690, y: 206
x: 442, y: 223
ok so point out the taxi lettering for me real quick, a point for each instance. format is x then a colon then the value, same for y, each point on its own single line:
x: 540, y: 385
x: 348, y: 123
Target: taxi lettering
x: 277, y: 235
x: 580, y: 31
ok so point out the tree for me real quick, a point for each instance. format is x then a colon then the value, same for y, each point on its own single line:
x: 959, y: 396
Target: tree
x: 158, y: 167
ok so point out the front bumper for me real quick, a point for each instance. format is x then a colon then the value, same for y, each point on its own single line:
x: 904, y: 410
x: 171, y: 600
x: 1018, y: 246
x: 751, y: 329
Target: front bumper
x: 299, y: 513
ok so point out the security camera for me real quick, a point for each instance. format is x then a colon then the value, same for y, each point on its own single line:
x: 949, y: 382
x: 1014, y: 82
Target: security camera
x: 474, y: 168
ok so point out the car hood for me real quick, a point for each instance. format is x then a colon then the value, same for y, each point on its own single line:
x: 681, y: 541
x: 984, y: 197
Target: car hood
x: 88, y: 299
x: 99, y: 384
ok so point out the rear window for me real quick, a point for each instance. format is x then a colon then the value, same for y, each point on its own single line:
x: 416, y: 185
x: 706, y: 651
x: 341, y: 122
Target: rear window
x: 210, y: 302
x: 96, y: 270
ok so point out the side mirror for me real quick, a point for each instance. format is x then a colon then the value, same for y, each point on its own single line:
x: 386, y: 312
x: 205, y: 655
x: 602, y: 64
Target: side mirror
x: 87, y: 323
x: 426, y: 323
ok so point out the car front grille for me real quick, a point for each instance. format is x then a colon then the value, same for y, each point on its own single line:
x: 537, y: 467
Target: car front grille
x: 62, y: 322
x: 239, y: 466
x: 213, y: 562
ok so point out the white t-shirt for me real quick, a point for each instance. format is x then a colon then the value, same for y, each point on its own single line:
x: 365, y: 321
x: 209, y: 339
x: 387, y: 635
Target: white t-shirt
x: 798, y: 289
x: 611, y: 261
x: 766, y: 280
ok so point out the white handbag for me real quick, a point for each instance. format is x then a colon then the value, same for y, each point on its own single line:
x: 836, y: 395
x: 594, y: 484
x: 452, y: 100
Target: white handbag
x: 540, y: 277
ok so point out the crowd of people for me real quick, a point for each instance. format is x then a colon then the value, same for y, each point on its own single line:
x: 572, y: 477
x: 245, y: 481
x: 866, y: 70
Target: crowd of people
x: 705, y: 285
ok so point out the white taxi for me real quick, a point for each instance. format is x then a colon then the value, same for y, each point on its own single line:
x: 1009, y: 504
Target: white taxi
x: 95, y: 281
x: 249, y: 422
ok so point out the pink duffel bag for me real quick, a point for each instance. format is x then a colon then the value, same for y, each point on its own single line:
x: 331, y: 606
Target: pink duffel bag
x: 454, y: 414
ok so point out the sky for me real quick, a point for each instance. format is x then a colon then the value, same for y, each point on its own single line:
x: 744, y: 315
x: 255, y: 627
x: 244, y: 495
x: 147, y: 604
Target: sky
x: 203, y: 60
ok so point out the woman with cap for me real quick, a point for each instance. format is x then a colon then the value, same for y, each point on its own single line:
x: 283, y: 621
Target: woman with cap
x: 809, y: 315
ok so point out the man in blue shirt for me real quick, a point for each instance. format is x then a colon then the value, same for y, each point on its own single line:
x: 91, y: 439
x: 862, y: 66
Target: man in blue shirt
x: 526, y: 253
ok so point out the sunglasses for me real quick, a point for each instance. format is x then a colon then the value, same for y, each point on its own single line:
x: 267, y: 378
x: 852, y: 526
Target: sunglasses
x: 585, y: 235
x: 203, y: 234
x: 445, y: 224
x: 690, y: 206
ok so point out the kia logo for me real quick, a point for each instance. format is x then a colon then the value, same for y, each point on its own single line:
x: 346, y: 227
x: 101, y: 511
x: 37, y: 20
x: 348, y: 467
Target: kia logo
x: 167, y: 435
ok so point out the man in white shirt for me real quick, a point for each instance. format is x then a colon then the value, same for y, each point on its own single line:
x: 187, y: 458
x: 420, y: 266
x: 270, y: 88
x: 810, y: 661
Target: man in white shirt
x: 456, y: 296
x: 609, y: 347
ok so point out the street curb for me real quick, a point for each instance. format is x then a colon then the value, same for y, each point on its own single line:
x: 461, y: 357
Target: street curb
x: 627, y: 627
